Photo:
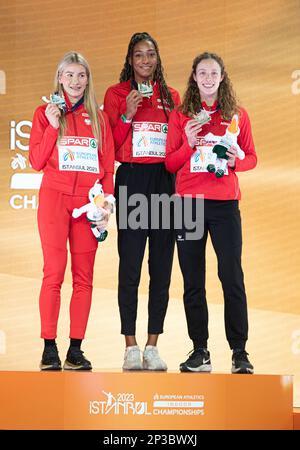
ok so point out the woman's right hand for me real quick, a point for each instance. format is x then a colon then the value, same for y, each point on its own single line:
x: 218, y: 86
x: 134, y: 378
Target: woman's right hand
x: 133, y: 101
x: 53, y: 114
x: 103, y: 222
x: 192, y: 128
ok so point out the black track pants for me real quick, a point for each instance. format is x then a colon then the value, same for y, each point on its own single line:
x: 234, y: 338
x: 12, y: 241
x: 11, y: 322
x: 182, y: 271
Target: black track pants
x: 143, y: 179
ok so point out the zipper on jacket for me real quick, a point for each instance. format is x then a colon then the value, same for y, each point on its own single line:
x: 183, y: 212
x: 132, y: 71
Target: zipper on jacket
x: 76, y: 134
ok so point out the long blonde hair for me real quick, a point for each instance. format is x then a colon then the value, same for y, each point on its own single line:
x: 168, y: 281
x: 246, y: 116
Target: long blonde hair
x: 90, y: 101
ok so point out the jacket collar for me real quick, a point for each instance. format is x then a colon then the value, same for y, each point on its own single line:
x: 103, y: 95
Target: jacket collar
x: 70, y: 107
x: 213, y: 107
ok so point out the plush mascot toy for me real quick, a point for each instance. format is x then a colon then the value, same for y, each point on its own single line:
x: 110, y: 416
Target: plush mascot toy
x: 219, y: 150
x: 95, y: 209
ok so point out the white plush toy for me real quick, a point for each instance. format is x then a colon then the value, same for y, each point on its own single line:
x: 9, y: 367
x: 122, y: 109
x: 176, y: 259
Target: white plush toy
x: 219, y: 162
x: 95, y: 209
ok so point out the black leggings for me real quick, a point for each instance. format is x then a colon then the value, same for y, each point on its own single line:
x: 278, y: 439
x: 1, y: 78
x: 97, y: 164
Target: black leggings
x: 144, y: 179
x: 223, y: 222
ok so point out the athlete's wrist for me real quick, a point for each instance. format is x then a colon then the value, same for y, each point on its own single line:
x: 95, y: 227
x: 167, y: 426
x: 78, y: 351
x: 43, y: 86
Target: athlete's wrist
x: 125, y: 119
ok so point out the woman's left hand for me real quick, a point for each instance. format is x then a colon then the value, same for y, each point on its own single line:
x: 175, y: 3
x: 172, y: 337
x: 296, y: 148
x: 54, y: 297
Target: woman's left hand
x: 231, y: 153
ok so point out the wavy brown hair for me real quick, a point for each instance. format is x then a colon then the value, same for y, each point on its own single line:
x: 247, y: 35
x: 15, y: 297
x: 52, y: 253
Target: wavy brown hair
x: 227, y: 101
x: 158, y: 76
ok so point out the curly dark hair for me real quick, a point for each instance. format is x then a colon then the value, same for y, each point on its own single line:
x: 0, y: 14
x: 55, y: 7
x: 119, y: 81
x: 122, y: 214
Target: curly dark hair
x: 158, y: 76
x: 227, y: 100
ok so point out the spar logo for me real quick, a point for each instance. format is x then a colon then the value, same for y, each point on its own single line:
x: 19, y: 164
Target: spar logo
x: 78, y: 141
x: 209, y: 140
x: 93, y: 143
x: 122, y: 403
x: 69, y: 155
x: 150, y: 126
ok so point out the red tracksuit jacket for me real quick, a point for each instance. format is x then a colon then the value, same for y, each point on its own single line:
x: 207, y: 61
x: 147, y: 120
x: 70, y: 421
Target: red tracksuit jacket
x: 147, y: 130
x: 44, y: 154
x: 179, y: 156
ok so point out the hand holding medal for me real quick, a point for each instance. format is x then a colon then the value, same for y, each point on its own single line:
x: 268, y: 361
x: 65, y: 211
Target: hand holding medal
x: 56, y: 99
x: 194, y: 126
x: 145, y: 89
x: 202, y: 117
x: 56, y: 104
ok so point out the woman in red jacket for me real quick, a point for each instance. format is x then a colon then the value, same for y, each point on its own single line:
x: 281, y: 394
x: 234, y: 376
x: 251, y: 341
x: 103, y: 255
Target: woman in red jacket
x: 73, y: 145
x: 138, y: 108
x: 208, y: 120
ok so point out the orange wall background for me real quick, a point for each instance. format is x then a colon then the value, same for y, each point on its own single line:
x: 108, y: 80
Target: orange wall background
x: 260, y: 44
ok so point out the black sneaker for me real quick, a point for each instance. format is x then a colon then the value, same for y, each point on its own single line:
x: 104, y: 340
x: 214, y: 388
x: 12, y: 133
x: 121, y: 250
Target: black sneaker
x: 76, y: 361
x: 50, y: 359
x: 240, y: 362
x: 199, y: 361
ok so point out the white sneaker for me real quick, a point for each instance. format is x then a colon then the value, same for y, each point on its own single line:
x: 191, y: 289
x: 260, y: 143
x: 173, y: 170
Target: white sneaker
x: 152, y: 360
x: 132, y: 358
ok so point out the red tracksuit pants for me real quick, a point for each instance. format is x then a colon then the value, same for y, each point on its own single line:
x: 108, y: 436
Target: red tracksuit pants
x: 56, y: 228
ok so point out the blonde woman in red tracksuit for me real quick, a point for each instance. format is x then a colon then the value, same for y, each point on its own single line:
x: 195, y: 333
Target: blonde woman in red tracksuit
x: 74, y: 148
x: 189, y: 151
x: 139, y: 126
